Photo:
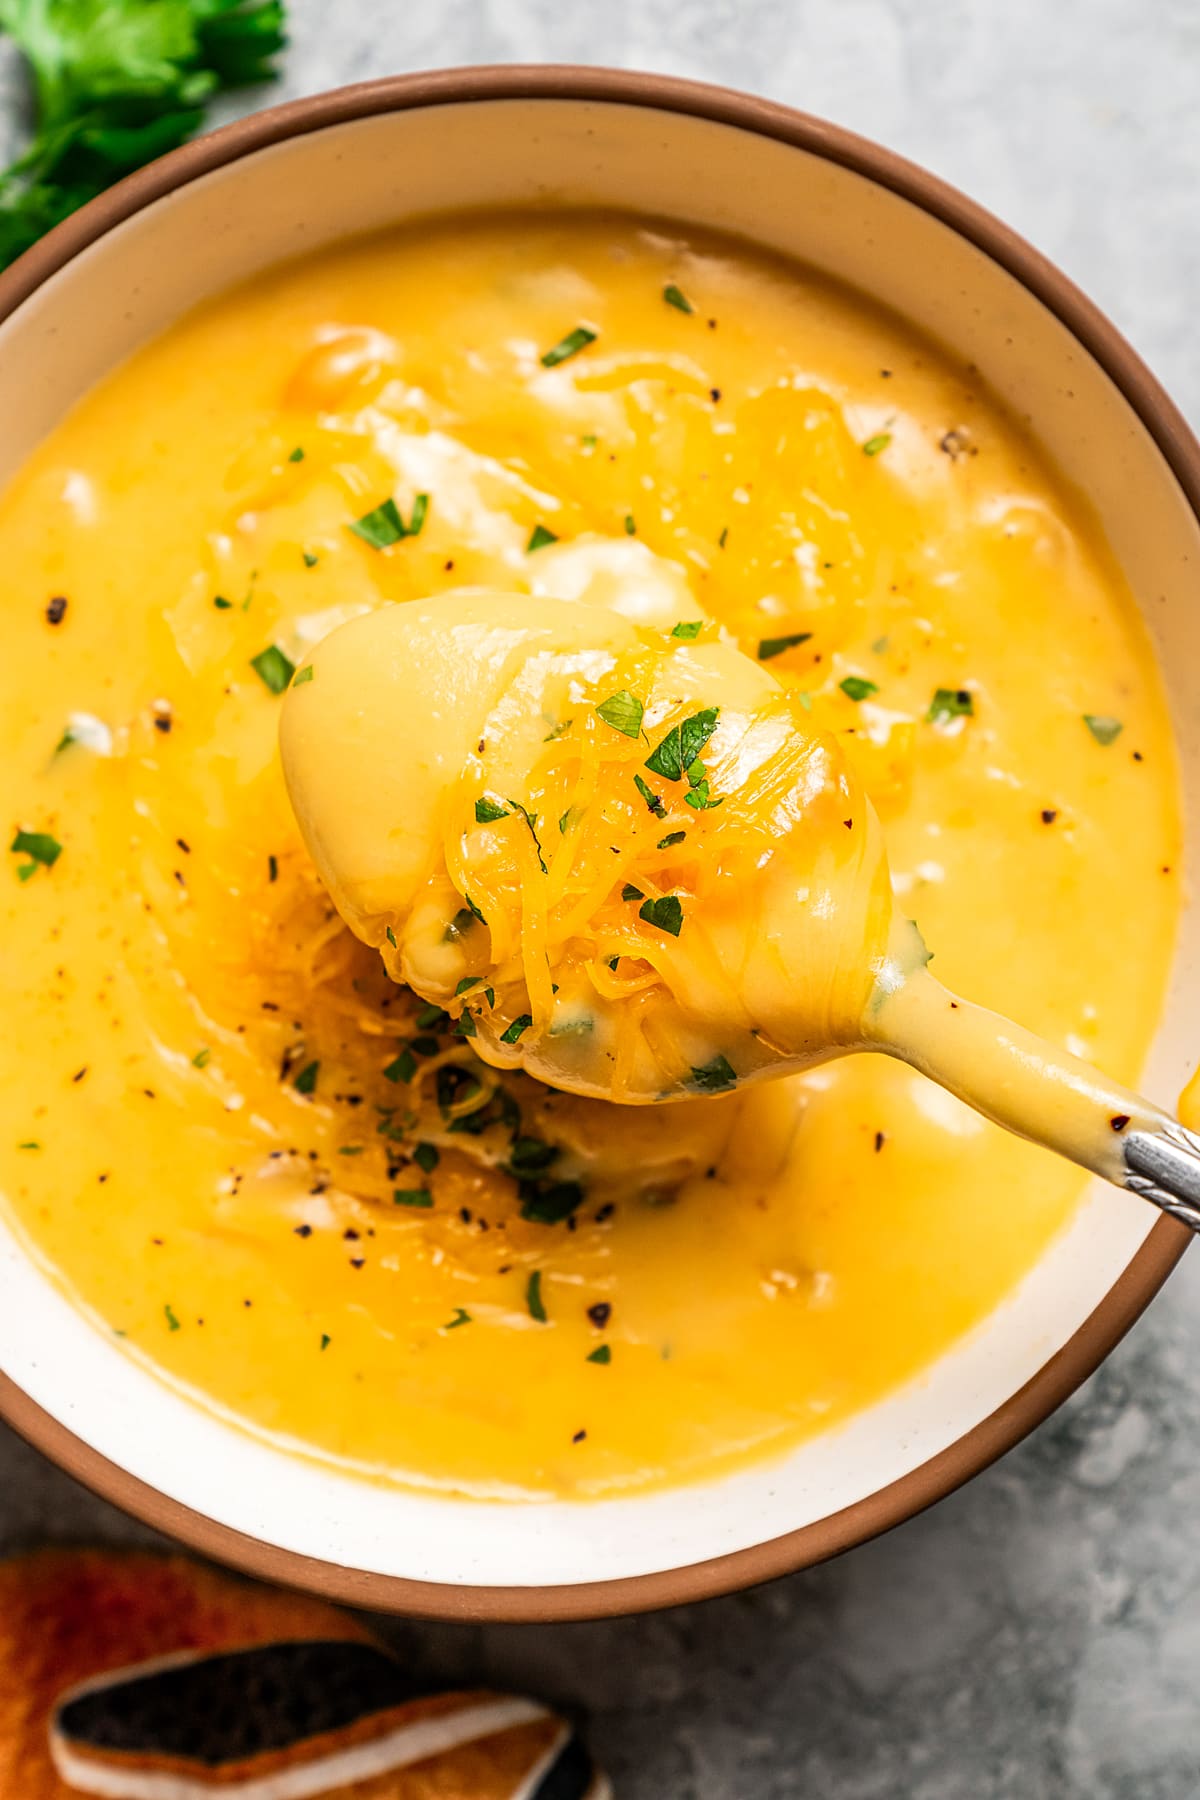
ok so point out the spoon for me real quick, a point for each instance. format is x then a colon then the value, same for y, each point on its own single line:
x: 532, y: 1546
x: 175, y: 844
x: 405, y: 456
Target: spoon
x: 626, y: 861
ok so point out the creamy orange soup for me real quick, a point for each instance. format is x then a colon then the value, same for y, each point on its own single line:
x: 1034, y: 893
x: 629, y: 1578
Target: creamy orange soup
x: 289, y: 1185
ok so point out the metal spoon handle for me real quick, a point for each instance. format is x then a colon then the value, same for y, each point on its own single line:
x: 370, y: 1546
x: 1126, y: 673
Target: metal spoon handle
x: 1163, y: 1166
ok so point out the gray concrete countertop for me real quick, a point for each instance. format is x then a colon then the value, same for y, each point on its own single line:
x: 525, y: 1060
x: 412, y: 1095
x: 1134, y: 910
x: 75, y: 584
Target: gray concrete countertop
x: 1037, y: 1635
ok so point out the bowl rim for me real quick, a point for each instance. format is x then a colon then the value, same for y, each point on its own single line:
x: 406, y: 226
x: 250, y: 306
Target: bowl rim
x: 1153, y: 1262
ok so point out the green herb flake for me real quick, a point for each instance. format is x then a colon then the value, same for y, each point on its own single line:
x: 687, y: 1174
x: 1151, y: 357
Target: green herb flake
x: 306, y: 674
x: 874, y: 445
x: 461, y: 1317
x: 384, y: 524
x: 951, y: 703
x: 857, y: 687
x: 682, y: 745
x: 630, y: 525
x: 533, y: 1297
x: 714, y: 1077
x: 297, y: 454
x: 466, y: 1026
x: 672, y: 838
x: 418, y: 516
x: 687, y: 629
x: 1104, y: 729
x: 172, y: 1321
x: 420, y: 1197
x: 402, y: 1069
x: 326, y: 1340
x: 222, y: 604
x: 487, y: 812
x: 558, y: 731
x: 29, y: 1144
x: 466, y: 984
x: 601, y: 1354
x: 517, y: 1028
x: 881, y: 646
x: 567, y: 347
x: 390, y: 935
x: 589, y: 441
x: 771, y: 647
x: 431, y: 1017
x: 427, y: 1157
x: 665, y: 914
x: 539, y: 537
x: 531, y: 820
x: 623, y: 712
x: 306, y: 1080
x: 724, y: 537
x: 569, y: 819
x: 42, y: 849
x: 350, y: 1150
x: 629, y: 892
x: 676, y: 298
x: 202, y: 1059
x: 273, y: 668
x: 650, y: 797
x: 310, y: 560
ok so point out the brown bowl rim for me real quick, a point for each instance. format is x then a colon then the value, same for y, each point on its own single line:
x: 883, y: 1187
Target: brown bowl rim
x: 1148, y: 1269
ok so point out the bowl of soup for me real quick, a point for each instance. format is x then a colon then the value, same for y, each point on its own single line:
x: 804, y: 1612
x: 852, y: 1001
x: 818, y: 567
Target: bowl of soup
x: 288, y: 1269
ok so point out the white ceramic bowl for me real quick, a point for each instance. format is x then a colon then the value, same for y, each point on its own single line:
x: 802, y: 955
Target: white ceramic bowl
x: 307, y: 174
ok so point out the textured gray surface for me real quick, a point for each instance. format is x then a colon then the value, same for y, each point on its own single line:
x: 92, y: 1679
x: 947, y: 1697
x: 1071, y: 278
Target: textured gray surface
x: 1037, y: 1634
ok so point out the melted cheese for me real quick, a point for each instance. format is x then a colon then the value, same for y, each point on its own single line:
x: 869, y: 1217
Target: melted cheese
x: 223, y: 1089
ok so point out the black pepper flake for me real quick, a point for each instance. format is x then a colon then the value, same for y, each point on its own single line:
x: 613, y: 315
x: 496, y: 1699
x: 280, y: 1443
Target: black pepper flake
x: 350, y: 1236
x: 1119, y: 1121
x: 605, y: 1212
x: 358, y: 1262
x: 714, y: 395
x: 183, y: 845
x: 79, y: 1073
x: 879, y: 1142
x: 1049, y: 814
x: 600, y: 1314
x: 162, y: 722
x: 56, y: 609
x: 579, y: 1437
x: 303, y: 1231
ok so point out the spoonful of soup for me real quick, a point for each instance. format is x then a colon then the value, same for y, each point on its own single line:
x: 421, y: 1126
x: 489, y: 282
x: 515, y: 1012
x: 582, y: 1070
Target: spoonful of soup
x: 619, y: 853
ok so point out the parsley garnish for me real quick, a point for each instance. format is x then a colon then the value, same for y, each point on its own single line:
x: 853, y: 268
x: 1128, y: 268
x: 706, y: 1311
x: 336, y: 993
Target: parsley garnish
x: 1104, y: 729
x: 875, y: 444
x: 431, y: 1018
x: 427, y: 1157
x: 688, y: 628
x: 117, y: 85
x: 273, y: 668
x: 602, y: 1353
x: 326, y: 1340
x: 550, y: 1203
x: 571, y: 345
x: 769, y: 647
x: 487, y: 812
x: 466, y: 984
x: 172, y: 1321
x: 310, y: 561
x: 533, y: 1297
x: 679, y: 300
x: 665, y: 914
x: 539, y: 537
x: 682, y: 745
x: 42, y: 849
x: 390, y: 935
x: 623, y: 712
x: 515, y: 1030
x: 650, y: 797
x: 714, y: 1075
x: 461, y: 1317
x: 951, y: 703
x: 630, y: 525
x: 466, y: 1026
x: 530, y: 820
x: 384, y: 524
x: 412, y: 1197
x: 306, y: 1080
x: 403, y: 1068
x: 306, y: 674
x: 558, y: 731
x: 222, y: 604
x: 202, y: 1059
x: 629, y: 892
x: 857, y: 687
x: 672, y: 837
x: 297, y: 454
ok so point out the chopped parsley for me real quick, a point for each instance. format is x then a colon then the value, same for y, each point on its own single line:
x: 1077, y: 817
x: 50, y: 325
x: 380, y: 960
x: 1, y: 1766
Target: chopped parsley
x: 951, y: 703
x: 571, y: 817
x: 769, y: 647
x: 202, y: 1058
x: 623, y: 712
x: 431, y: 1018
x: 297, y: 454
x: 273, y: 668
x: 306, y: 1080
x: 42, y: 850
x: 676, y: 298
x: 412, y: 1197
x: 306, y: 674
x: 875, y: 444
x: 172, y: 1321
x: 567, y: 347
x: 402, y: 1069
x: 1104, y: 729
x: 427, y: 1157
x: 222, y: 604
x: 310, y: 561
x: 665, y: 914
x: 713, y: 1076
x: 687, y: 629
x: 539, y: 537
x: 857, y: 687
x: 461, y: 1317
x: 466, y: 984
x: 630, y: 525
x: 558, y: 731
x: 629, y: 892
x: 531, y: 820
x: 533, y: 1297
x: 384, y: 525
x: 390, y: 935
x: 487, y: 812
x: 880, y: 646
x: 549, y: 1203
x: 650, y: 797
x: 602, y: 1353
x: 682, y: 745
x: 326, y: 1340
x: 466, y: 1026
x: 519, y: 1025
x: 672, y: 837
